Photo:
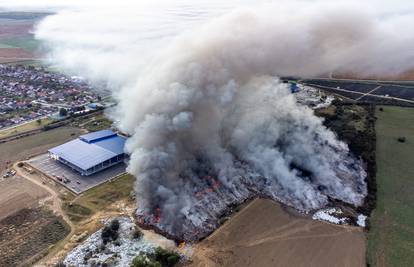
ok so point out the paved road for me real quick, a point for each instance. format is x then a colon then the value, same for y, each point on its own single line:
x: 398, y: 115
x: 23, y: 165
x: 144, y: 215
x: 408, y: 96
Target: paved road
x: 360, y: 93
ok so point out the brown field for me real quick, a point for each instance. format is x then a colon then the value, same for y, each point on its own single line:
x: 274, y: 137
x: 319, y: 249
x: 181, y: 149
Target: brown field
x: 26, y: 230
x: 263, y: 234
x: 27, y: 233
x: 25, y: 147
x: 17, y: 193
x: 14, y: 53
x: 8, y: 30
x: 405, y: 76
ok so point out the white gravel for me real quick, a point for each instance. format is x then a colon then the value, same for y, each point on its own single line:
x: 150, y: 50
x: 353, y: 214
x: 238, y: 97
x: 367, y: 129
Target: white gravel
x: 121, y: 255
x: 361, y: 221
x: 328, y: 215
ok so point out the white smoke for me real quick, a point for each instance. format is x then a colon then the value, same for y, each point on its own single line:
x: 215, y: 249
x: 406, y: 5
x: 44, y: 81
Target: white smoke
x: 211, y: 124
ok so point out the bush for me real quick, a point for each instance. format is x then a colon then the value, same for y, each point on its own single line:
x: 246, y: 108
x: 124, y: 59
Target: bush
x: 159, y: 258
x: 137, y: 234
x: 143, y: 261
x: 115, y: 225
x: 401, y: 139
x: 110, y: 233
x: 63, y: 112
x: 165, y: 257
x: 60, y: 264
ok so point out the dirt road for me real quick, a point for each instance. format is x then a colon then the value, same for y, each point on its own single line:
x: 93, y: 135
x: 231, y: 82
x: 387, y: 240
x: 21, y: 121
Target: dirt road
x: 56, y: 205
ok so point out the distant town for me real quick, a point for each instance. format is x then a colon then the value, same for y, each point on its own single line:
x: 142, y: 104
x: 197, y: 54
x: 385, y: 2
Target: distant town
x: 30, y: 93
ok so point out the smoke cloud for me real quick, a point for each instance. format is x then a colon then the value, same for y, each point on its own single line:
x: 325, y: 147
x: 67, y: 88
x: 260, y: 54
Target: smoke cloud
x: 210, y: 122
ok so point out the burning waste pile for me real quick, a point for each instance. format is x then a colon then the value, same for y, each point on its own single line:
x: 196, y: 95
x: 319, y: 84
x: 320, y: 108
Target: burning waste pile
x: 211, y: 125
x: 262, y: 149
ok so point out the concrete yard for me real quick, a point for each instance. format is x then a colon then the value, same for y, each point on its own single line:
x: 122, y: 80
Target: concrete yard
x: 75, y: 182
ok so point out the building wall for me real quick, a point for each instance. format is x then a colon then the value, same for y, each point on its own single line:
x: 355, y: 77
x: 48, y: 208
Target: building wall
x: 97, y: 168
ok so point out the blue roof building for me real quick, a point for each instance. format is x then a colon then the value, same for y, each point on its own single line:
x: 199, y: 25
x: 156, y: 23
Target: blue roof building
x: 92, y: 152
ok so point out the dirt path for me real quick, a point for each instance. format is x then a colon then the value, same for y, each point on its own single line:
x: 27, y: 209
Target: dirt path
x: 56, y: 207
x: 54, y: 196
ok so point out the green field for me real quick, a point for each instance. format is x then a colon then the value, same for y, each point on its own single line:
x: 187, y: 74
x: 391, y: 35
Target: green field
x: 26, y: 127
x: 27, y: 42
x: 99, y: 198
x: 391, y: 237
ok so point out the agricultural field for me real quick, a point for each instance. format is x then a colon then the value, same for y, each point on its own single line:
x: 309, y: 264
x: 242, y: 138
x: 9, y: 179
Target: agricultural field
x: 265, y: 234
x: 17, y: 43
x: 25, y: 147
x: 28, y: 233
x: 390, y: 239
x: 22, y: 128
x: 16, y: 193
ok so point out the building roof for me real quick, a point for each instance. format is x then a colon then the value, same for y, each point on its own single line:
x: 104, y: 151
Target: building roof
x: 97, y: 136
x: 91, y: 149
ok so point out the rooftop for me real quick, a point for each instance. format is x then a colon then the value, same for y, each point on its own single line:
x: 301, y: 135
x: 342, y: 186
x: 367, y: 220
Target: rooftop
x: 91, y: 149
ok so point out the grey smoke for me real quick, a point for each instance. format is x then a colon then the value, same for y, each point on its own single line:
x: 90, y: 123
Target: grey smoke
x: 210, y: 122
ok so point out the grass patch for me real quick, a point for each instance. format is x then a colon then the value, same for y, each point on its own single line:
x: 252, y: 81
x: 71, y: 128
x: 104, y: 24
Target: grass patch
x: 76, y: 212
x: 391, y: 237
x: 27, y: 42
x: 2, y: 45
x: 100, y: 197
x: 100, y: 123
x: 33, y: 125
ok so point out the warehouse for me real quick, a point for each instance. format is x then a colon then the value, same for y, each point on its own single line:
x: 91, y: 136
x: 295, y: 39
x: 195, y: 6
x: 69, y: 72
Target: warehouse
x: 92, y: 152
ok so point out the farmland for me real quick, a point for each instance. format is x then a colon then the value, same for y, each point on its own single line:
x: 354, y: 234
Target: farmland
x: 27, y: 233
x: 390, y: 241
x: 25, y: 127
x: 36, y: 144
x: 378, y: 92
x: 17, y: 43
x: 264, y: 234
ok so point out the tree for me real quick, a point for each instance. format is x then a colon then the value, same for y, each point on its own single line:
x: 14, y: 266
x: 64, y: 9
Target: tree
x: 63, y: 112
x: 143, y: 261
x: 137, y: 234
x: 402, y: 139
x: 110, y: 233
x: 165, y: 257
x: 39, y: 121
x: 115, y: 225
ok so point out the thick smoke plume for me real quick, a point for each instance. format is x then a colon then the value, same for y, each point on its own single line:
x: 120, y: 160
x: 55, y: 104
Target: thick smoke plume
x: 211, y: 124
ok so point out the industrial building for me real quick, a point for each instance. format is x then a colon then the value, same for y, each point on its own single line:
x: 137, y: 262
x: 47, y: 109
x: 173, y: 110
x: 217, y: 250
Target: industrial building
x: 91, y: 153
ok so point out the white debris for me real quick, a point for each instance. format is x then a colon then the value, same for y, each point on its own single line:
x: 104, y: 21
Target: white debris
x: 361, y: 221
x: 328, y: 215
x: 313, y: 97
x: 119, y: 253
